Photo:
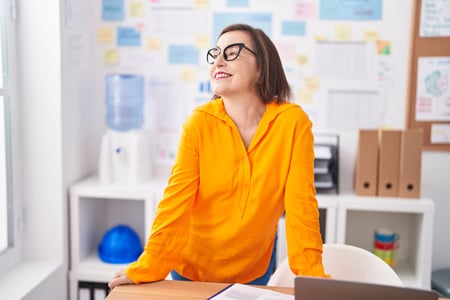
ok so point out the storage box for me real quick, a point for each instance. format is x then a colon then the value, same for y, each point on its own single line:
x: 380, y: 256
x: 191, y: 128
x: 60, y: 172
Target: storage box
x: 366, y: 169
x: 389, y: 163
x: 410, y: 163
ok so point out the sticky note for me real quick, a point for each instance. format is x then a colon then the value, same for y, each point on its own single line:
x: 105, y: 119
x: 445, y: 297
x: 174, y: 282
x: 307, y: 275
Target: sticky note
x: 105, y: 35
x: 113, y: 10
x: 128, y: 36
x: 111, y: 56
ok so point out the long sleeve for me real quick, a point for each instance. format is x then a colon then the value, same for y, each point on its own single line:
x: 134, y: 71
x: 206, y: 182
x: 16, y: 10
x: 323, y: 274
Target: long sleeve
x: 302, y: 214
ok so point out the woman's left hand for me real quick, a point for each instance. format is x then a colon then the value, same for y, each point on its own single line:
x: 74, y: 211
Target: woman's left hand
x: 119, y: 278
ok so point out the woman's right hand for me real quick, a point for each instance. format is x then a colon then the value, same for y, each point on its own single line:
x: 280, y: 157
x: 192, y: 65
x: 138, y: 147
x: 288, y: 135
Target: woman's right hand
x: 119, y: 278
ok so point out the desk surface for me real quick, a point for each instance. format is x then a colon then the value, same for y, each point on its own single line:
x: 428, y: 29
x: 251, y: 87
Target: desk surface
x: 174, y: 289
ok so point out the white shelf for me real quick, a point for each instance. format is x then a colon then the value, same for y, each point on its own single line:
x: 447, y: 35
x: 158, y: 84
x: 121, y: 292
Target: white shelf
x: 95, y: 207
x: 359, y: 217
x: 387, y: 204
x: 92, y: 268
x: 92, y: 187
x: 407, y: 273
x: 350, y: 219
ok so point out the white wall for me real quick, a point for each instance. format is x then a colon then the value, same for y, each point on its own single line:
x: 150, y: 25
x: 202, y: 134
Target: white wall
x: 42, y: 188
x: 40, y: 101
x: 435, y: 185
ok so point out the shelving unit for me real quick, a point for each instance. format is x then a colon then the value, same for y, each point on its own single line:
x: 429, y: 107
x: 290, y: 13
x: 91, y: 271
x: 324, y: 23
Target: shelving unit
x: 357, y: 217
x: 412, y: 219
x: 96, y: 207
x: 349, y: 219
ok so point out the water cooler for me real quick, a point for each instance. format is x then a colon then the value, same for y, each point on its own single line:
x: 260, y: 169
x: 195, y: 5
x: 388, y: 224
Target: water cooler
x: 125, y: 154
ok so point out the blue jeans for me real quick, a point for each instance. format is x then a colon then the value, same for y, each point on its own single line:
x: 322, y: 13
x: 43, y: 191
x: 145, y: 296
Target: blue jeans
x: 258, y: 281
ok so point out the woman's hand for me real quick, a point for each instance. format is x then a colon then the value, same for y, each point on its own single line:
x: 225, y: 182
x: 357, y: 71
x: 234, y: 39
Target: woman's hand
x: 119, y: 278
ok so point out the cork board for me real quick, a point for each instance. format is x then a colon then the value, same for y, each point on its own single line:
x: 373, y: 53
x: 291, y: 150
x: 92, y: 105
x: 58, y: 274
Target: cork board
x: 428, y: 103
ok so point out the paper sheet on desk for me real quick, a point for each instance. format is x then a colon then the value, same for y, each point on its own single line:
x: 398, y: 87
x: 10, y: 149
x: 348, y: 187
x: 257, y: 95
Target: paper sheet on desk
x: 245, y: 292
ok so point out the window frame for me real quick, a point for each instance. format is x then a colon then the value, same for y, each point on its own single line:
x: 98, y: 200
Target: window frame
x: 13, y: 253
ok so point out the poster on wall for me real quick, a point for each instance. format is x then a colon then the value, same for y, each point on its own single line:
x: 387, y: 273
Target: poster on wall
x: 435, y: 18
x: 433, y: 92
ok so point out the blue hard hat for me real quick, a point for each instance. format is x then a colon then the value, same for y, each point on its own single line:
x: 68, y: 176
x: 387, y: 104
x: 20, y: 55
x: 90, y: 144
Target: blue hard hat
x: 120, y: 245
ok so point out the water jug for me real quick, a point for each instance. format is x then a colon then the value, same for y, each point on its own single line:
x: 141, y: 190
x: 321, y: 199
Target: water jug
x: 124, y: 101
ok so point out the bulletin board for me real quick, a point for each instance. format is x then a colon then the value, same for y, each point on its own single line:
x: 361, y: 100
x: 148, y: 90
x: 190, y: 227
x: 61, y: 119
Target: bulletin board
x: 345, y: 60
x: 429, y: 78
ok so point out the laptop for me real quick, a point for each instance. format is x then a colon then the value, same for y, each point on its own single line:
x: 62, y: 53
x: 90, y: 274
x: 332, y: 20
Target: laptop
x: 316, y: 288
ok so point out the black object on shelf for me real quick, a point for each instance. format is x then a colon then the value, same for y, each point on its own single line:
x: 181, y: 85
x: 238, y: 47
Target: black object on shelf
x: 440, y: 282
x: 92, y: 290
x: 326, y: 163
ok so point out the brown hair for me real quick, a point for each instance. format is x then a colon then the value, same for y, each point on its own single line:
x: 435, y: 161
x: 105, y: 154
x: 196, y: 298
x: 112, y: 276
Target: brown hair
x: 272, y: 83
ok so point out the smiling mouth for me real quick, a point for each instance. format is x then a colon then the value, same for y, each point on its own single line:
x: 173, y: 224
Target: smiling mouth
x: 221, y: 75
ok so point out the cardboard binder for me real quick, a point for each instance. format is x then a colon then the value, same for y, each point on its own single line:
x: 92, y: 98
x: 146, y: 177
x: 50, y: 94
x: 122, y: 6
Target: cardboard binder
x: 389, y: 163
x: 366, y: 169
x: 410, y: 163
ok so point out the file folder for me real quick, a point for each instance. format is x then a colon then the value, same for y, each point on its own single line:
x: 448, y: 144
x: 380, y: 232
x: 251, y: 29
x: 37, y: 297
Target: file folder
x: 410, y: 163
x: 389, y: 163
x: 366, y: 168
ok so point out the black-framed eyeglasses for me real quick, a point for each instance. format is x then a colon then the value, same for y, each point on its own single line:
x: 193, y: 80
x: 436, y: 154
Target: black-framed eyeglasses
x: 231, y: 52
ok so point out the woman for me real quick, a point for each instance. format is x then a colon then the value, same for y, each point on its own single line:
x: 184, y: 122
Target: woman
x: 244, y: 158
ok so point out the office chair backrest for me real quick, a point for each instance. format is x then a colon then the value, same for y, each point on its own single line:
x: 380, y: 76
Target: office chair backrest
x: 352, y: 263
x: 344, y: 262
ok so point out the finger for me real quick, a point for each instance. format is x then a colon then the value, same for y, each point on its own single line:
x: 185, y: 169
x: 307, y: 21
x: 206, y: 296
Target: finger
x: 119, y: 281
x: 119, y: 273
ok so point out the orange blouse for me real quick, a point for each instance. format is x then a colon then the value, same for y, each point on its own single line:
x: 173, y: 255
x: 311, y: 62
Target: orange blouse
x: 218, y: 217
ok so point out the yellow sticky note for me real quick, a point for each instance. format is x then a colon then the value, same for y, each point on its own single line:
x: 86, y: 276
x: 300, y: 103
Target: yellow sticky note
x: 136, y: 9
x: 304, y: 96
x: 342, y: 32
x: 320, y: 37
x: 111, y: 56
x: 188, y: 74
x: 154, y: 43
x: 302, y: 59
x: 371, y: 36
x: 202, y: 41
x: 201, y: 4
x: 105, y: 35
x: 312, y: 83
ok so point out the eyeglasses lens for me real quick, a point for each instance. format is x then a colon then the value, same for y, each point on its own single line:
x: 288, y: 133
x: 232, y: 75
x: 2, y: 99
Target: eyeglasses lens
x: 212, y: 55
x: 230, y: 53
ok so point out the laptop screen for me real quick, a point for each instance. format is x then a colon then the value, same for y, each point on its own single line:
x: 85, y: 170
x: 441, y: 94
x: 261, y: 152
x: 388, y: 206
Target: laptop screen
x: 315, y: 288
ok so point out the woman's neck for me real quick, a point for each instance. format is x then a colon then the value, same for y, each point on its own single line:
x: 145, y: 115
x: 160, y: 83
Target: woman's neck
x: 246, y: 112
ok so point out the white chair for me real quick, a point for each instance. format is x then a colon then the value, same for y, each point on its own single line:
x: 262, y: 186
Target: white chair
x: 344, y: 262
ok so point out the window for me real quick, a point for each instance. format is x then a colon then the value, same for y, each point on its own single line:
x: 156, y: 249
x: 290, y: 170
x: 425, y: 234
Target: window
x: 4, y: 199
x: 8, y: 249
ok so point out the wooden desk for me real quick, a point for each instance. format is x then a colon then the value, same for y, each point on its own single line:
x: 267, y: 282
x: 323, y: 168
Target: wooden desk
x: 178, y: 290
x: 174, y: 289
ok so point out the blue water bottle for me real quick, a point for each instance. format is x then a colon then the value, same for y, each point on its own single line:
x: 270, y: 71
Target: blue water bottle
x: 124, y: 101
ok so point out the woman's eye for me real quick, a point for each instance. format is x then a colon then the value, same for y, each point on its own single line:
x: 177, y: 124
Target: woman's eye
x: 232, y: 53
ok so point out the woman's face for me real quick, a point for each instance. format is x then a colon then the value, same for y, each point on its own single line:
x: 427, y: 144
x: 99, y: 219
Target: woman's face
x: 238, y: 76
